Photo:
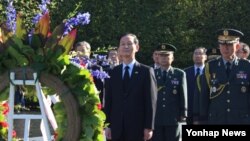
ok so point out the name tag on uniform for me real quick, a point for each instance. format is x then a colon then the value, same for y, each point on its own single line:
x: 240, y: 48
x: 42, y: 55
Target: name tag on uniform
x: 241, y: 75
x: 175, y: 81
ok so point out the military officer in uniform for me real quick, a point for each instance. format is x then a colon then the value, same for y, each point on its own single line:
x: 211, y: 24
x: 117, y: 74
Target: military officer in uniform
x: 172, y: 96
x: 225, y: 95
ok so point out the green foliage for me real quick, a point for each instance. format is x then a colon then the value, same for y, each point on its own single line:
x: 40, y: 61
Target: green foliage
x: 187, y: 24
x: 61, y: 117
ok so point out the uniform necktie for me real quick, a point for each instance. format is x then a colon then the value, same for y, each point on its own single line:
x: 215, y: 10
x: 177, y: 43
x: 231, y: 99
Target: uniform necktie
x: 197, y: 72
x: 126, y: 79
x: 228, y: 69
x: 164, y: 76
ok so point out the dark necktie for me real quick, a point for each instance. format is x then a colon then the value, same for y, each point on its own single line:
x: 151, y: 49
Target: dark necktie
x: 164, y: 76
x: 197, y: 72
x: 228, y: 69
x: 126, y: 79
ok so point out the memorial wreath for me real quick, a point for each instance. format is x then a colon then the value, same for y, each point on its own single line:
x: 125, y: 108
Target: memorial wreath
x: 78, y: 115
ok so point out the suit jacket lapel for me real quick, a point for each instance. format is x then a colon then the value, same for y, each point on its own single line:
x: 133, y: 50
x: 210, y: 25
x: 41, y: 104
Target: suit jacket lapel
x: 192, y: 74
x: 118, y: 77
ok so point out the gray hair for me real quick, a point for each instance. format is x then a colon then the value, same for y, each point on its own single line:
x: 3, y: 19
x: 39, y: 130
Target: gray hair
x: 83, y: 43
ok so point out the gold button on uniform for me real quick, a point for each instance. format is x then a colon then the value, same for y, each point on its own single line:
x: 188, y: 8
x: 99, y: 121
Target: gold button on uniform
x: 228, y: 92
x: 163, y: 99
x: 228, y: 101
x: 228, y: 110
x: 163, y: 105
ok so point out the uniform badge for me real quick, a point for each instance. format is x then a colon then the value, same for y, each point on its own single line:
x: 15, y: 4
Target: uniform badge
x: 214, y: 75
x: 175, y: 81
x: 214, y: 89
x: 163, y: 47
x: 225, y: 32
x: 243, y: 89
x: 218, y: 64
x: 241, y: 75
x: 174, y: 91
x: 214, y: 51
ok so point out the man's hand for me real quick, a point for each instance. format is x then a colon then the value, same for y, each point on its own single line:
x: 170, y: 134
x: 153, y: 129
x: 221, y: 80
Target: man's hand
x: 108, y: 133
x: 182, y: 119
x: 148, y: 133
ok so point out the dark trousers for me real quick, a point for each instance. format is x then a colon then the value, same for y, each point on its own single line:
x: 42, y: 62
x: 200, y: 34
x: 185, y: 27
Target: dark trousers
x: 125, y: 135
x: 124, y: 138
x: 166, y: 133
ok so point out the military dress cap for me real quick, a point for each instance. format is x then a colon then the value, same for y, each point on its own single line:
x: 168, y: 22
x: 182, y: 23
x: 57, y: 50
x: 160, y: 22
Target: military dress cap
x: 166, y: 48
x: 229, y: 36
x: 213, y: 51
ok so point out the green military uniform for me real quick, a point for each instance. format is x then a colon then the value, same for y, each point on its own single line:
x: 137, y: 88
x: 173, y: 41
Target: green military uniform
x: 172, y: 97
x: 171, y: 104
x: 225, y: 94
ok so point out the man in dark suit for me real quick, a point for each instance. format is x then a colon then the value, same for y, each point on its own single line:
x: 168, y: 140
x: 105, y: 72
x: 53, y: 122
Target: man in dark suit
x: 130, y: 97
x: 212, y: 53
x: 225, y: 93
x: 199, y: 58
x: 172, y: 97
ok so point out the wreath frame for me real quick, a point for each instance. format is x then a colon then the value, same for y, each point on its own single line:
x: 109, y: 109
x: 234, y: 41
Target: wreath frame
x: 71, y: 105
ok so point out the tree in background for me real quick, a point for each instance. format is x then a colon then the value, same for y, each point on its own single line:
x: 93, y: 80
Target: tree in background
x: 183, y: 23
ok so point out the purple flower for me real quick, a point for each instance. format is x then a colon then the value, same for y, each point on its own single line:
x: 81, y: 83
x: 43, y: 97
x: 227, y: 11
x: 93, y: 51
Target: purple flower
x: 36, y: 19
x: 83, y: 18
x: 46, y: 1
x: 11, y: 17
x: 102, y: 57
x: 80, y: 19
x: 83, y: 62
x: 43, y: 6
x: 100, y: 74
